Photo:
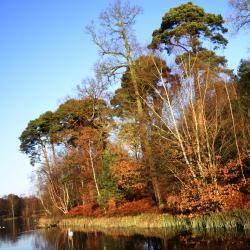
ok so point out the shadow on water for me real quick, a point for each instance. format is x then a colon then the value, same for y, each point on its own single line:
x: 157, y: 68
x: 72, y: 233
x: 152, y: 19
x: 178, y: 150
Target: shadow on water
x: 19, y: 233
x: 10, y: 230
x: 165, y: 240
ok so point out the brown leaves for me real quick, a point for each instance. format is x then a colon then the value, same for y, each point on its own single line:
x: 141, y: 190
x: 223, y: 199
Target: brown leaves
x: 227, y: 192
x: 130, y: 175
x: 145, y: 205
x: 134, y: 207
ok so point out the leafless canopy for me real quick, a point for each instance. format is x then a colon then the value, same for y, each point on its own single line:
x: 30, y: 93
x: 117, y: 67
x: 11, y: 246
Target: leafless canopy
x: 241, y: 16
x: 114, y: 38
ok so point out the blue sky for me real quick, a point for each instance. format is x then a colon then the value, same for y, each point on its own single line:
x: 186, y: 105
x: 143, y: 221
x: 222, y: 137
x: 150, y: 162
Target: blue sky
x: 45, y: 53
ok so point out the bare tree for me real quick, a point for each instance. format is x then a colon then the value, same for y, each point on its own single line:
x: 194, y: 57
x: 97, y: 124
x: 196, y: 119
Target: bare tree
x: 117, y: 45
x: 241, y: 16
x: 179, y: 120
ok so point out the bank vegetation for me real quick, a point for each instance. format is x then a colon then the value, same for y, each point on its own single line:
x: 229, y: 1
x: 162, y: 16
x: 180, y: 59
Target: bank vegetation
x: 162, y: 129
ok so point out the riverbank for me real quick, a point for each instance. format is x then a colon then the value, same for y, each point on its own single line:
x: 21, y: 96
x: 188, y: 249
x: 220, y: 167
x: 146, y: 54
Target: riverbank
x: 34, y: 217
x: 236, y: 220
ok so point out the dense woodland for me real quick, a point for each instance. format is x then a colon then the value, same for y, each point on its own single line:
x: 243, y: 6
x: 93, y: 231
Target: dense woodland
x: 159, y: 129
x: 12, y: 206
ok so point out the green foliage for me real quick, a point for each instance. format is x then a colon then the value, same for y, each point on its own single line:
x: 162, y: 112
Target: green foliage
x: 179, y: 128
x: 242, y: 106
x: 243, y: 89
x: 73, y: 114
x: 147, y: 78
x: 243, y: 86
x: 188, y: 21
x: 204, y: 58
x: 244, y: 78
x: 37, y: 134
x: 108, y: 185
x: 87, y: 112
x: 65, y: 179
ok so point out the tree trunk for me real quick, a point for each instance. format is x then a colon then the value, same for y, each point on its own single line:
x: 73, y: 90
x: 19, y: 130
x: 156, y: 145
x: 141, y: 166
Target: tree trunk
x: 12, y: 208
x: 93, y: 169
x: 146, y: 148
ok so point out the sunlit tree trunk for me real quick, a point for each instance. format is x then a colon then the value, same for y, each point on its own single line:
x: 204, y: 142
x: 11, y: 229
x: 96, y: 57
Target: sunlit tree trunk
x: 117, y: 21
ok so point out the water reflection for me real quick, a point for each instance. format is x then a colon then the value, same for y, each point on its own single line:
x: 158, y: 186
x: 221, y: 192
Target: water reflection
x: 20, y: 235
x: 59, y: 240
x: 13, y: 228
x: 96, y: 241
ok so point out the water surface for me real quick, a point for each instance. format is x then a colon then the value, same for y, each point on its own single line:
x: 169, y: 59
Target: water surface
x: 21, y: 235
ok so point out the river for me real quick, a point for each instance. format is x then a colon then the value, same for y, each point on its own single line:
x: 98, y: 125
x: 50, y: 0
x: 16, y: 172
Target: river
x: 22, y: 235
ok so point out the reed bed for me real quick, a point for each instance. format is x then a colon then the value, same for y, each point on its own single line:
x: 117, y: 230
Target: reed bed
x: 220, y: 221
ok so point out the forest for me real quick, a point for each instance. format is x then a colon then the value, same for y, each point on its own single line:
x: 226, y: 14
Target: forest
x: 13, y: 206
x: 164, y: 128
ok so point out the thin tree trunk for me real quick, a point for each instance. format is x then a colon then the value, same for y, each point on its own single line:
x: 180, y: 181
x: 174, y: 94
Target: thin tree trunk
x: 12, y: 208
x: 234, y: 131
x: 93, y: 169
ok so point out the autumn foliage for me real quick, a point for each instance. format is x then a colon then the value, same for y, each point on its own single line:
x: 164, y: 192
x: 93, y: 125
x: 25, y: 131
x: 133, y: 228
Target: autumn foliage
x: 130, y: 175
x: 145, y: 205
x: 231, y: 192
x: 168, y: 139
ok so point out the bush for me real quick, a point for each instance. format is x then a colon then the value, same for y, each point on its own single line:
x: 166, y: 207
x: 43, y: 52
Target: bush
x: 145, y: 205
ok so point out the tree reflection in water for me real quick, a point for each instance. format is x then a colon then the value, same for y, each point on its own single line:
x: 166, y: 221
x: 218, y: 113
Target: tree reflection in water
x: 20, y: 234
x: 57, y: 239
x: 13, y: 229
x: 60, y: 240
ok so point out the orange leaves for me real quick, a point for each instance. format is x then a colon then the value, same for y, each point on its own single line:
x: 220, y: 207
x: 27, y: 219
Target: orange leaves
x: 201, y: 198
x: 128, y: 208
x: 130, y: 175
x: 85, y: 210
x: 221, y: 188
x: 134, y: 207
x: 111, y: 204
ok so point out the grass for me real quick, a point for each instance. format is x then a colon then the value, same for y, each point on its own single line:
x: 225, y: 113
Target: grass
x: 221, y: 221
x: 233, y: 220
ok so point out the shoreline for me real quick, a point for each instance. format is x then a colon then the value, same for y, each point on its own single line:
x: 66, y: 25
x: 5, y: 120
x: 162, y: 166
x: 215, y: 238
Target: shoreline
x: 221, y: 221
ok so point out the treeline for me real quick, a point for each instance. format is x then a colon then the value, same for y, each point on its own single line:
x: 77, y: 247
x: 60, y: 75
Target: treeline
x: 175, y: 134
x: 12, y: 206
